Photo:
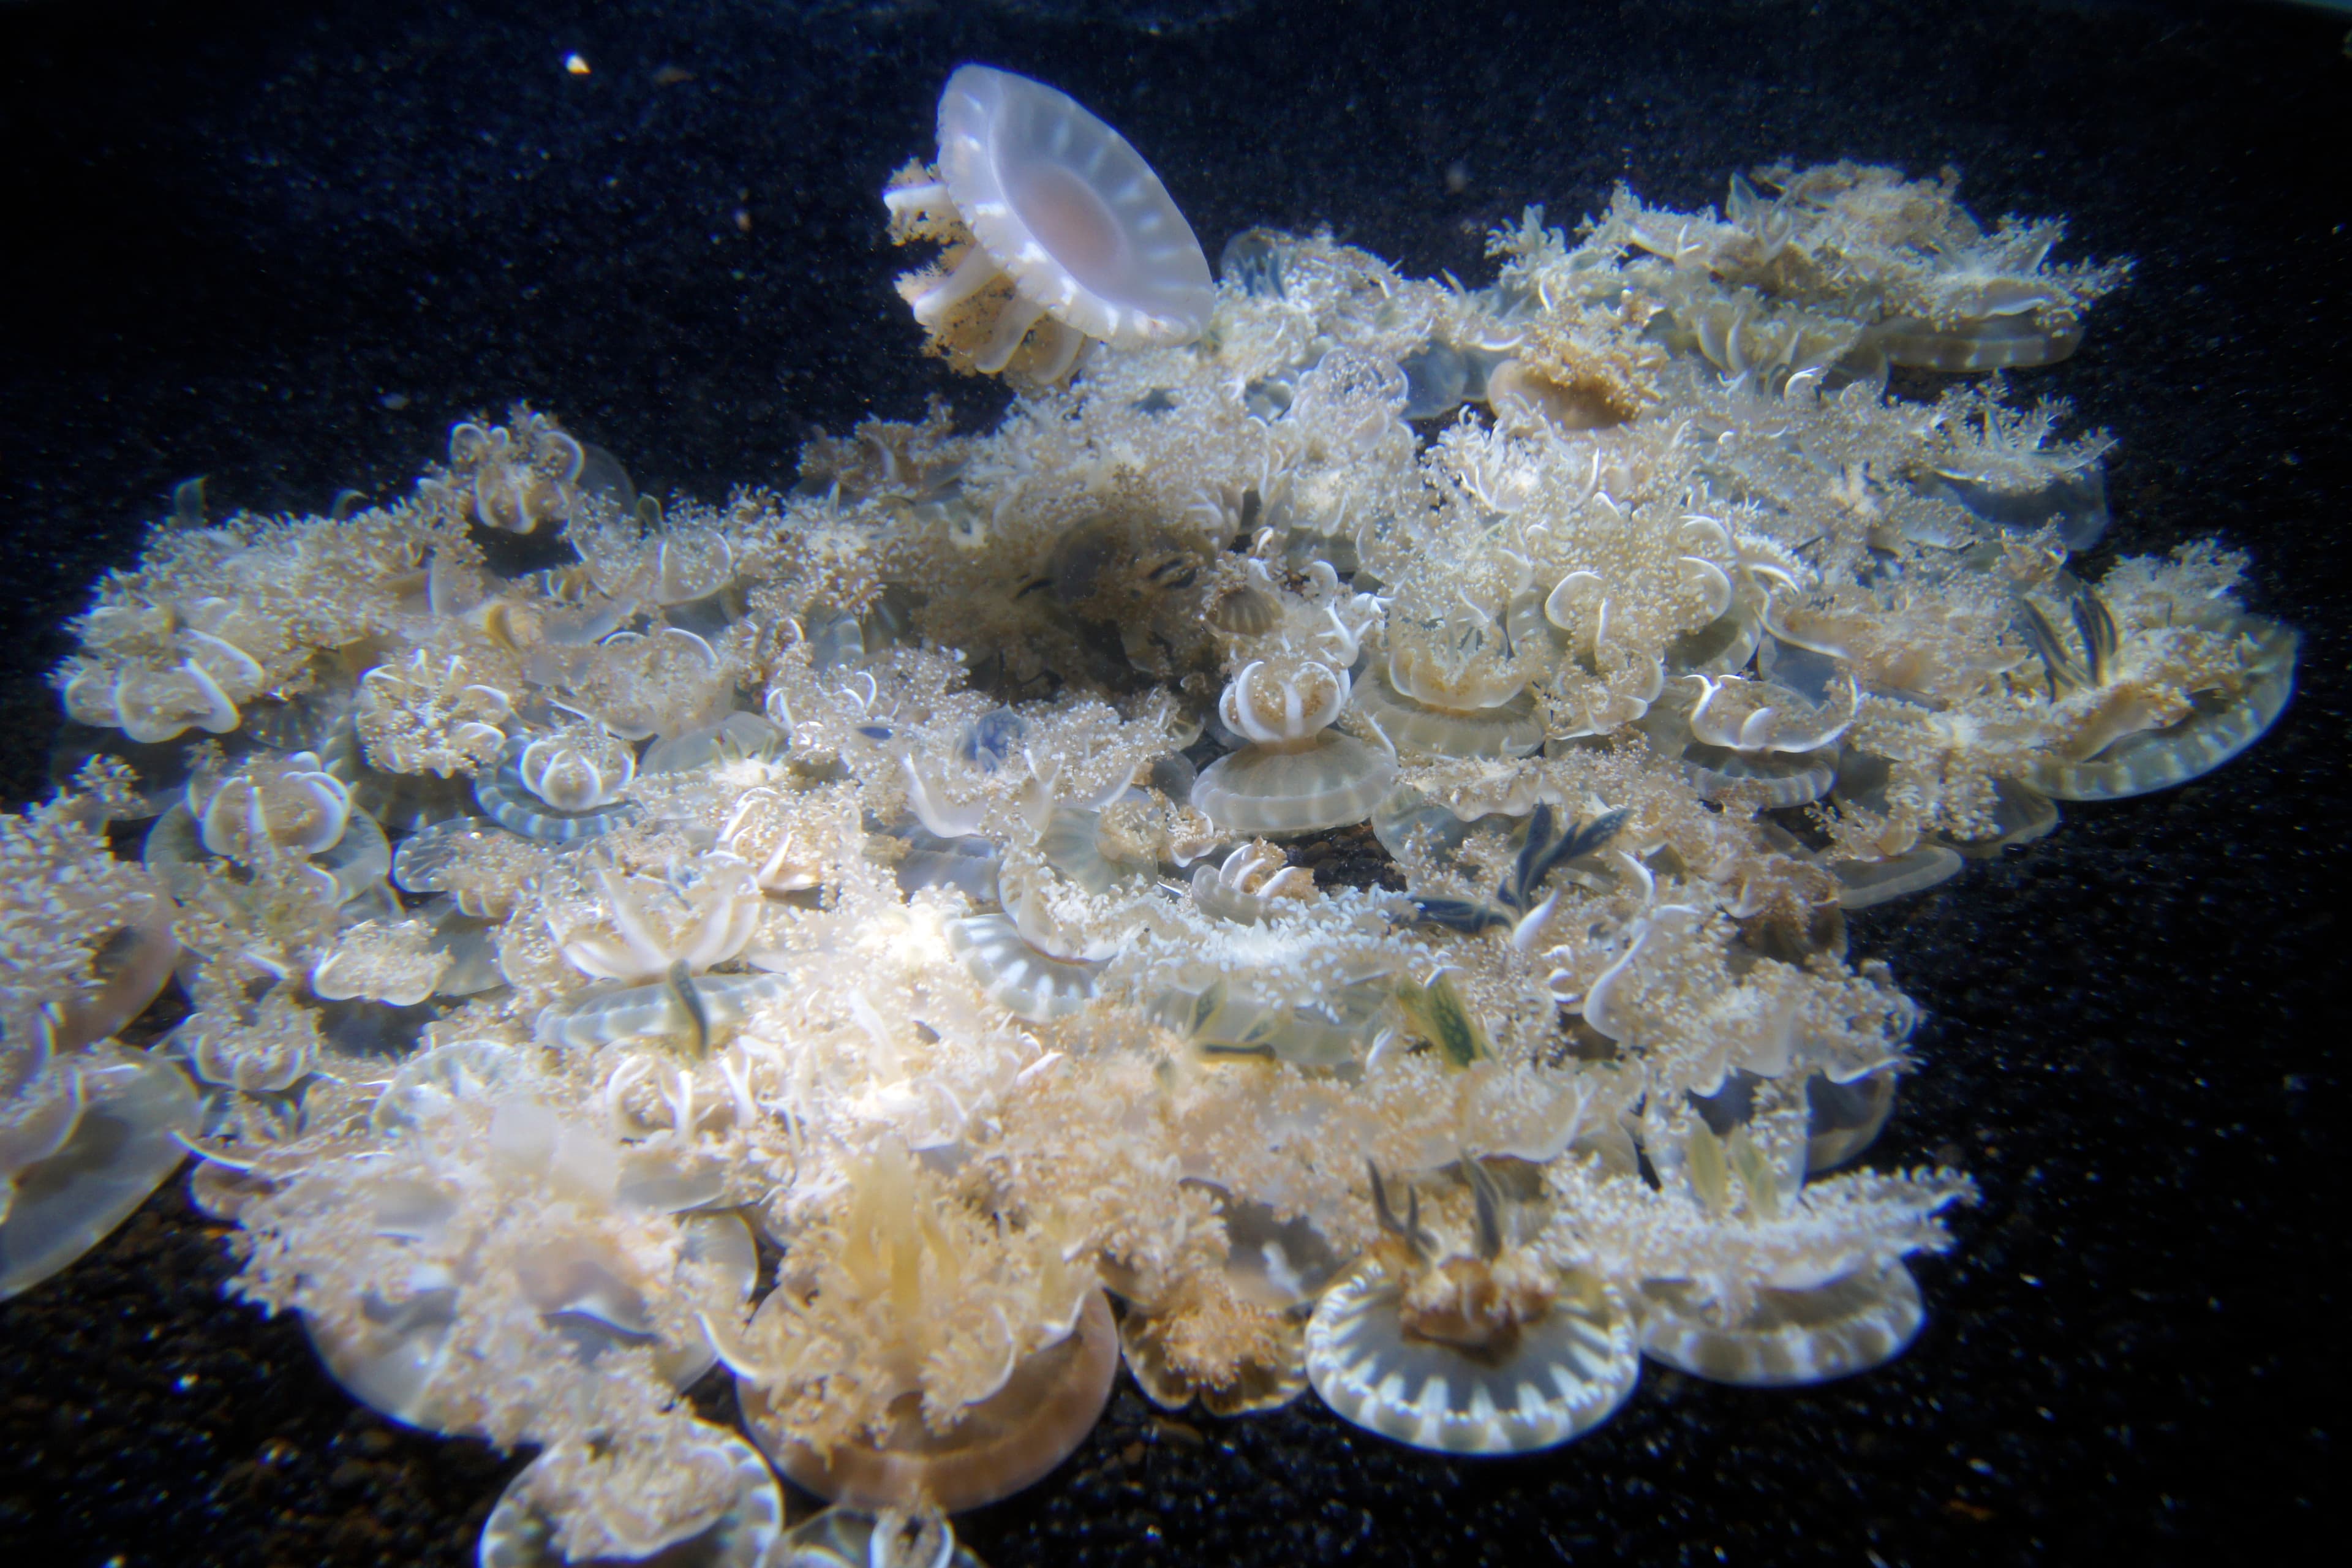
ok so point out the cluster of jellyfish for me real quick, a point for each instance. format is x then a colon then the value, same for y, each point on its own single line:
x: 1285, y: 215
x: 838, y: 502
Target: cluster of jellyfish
x: 1645, y: 630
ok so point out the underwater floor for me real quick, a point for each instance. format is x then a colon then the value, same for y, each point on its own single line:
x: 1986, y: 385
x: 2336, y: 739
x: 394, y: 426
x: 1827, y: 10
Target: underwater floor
x: 285, y: 247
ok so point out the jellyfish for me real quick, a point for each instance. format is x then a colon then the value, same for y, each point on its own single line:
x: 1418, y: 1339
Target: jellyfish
x: 1055, y: 231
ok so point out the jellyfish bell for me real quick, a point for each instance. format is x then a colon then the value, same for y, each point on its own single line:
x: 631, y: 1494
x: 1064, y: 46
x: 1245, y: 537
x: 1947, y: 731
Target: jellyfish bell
x: 1490, y: 1348
x: 998, y: 1447
x: 1295, y: 774
x: 1788, y: 1338
x: 86, y: 1142
x: 690, y: 1497
x: 1056, y: 231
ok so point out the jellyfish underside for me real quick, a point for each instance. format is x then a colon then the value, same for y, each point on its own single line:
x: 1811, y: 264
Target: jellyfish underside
x: 686, y: 1008
x: 2016, y: 342
x: 1790, y: 1337
x: 1033, y: 985
x: 1778, y: 778
x: 1508, y: 728
x: 136, y: 1112
x: 1328, y: 780
x: 1864, y: 884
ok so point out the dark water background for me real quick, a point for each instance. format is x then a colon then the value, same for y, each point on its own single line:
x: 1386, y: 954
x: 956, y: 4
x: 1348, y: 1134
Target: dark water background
x: 287, y: 245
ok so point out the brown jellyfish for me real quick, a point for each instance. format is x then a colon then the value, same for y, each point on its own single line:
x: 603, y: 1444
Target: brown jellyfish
x: 1233, y: 1336
x: 998, y: 1447
x: 1054, y: 230
x: 919, y: 1353
x: 1204, y: 1342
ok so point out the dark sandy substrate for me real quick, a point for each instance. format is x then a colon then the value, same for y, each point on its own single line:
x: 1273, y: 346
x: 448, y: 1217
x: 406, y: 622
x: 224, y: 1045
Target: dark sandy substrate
x: 287, y: 246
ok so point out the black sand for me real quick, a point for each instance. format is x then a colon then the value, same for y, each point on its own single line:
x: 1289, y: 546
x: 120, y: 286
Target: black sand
x: 286, y: 245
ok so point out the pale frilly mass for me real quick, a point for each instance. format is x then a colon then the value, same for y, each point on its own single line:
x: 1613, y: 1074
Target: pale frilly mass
x: 899, y: 879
